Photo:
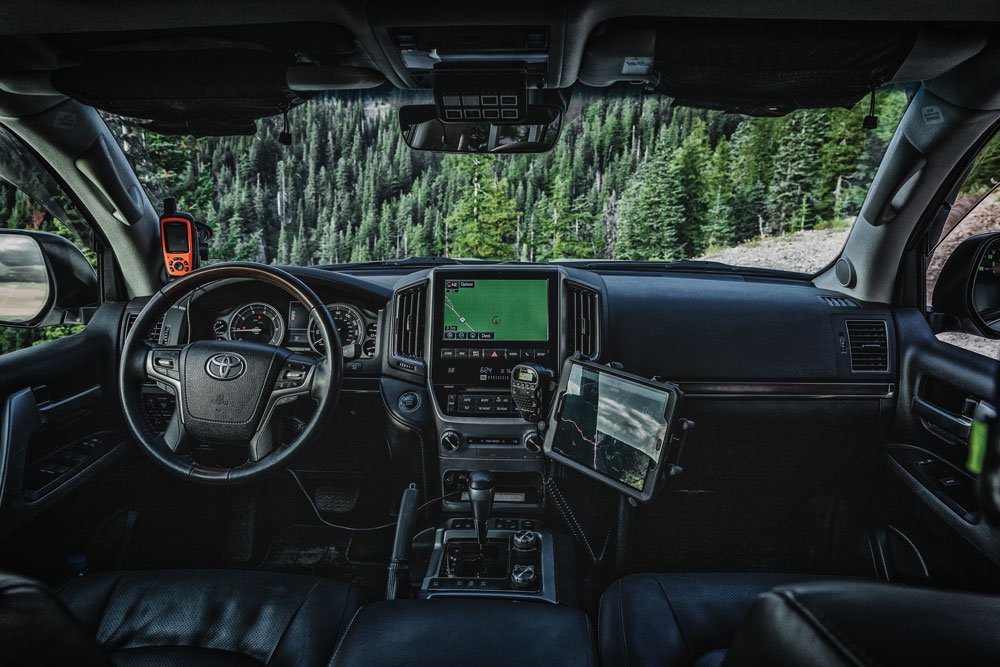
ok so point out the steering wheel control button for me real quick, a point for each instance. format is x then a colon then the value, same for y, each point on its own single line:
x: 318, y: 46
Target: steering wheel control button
x: 167, y: 362
x: 409, y: 401
x: 525, y: 540
x: 293, y: 375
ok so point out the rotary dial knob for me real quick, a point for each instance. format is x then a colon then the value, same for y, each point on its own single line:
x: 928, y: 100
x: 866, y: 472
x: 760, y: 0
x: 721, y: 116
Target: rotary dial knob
x: 525, y: 540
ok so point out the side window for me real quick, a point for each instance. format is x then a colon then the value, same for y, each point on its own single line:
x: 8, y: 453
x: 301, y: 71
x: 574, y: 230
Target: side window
x: 976, y: 210
x: 31, y: 199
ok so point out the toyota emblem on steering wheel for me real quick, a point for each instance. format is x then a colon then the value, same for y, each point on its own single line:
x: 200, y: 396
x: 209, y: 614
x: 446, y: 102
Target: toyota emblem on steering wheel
x: 226, y: 366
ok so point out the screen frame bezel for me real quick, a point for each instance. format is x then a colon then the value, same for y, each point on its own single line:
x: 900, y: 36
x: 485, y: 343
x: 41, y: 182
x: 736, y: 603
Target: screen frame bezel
x: 676, y: 397
x: 185, y: 228
x: 436, y: 341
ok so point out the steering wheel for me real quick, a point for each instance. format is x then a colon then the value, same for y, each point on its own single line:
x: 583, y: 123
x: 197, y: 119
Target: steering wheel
x: 226, y: 391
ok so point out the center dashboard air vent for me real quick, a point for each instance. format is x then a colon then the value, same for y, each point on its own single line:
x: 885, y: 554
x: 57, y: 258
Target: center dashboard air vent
x: 409, y: 335
x: 869, y: 345
x: 584, y: 314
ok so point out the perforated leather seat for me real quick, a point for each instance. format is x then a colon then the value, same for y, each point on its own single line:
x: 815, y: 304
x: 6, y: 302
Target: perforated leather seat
x: 678, y: 620
x: 180, y: 618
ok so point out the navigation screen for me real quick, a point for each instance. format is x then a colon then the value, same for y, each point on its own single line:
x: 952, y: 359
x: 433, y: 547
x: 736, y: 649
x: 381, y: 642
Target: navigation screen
x: 503, y: 310
x: 611, y: 425
x: 177, y: 237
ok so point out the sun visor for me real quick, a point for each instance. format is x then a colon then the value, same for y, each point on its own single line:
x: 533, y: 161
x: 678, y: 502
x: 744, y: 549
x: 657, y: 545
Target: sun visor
x: 218, y: 87
x: 193, y: 82
x: 757, y: 68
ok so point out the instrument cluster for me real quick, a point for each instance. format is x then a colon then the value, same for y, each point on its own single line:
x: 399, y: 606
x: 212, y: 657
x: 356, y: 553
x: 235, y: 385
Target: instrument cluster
x: 295, y: 328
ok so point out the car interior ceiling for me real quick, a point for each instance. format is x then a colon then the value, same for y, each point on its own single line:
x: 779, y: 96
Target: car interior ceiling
x: 821, y: 484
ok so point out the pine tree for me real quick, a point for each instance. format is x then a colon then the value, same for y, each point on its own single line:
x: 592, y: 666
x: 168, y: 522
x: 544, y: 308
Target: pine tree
x: 484, y: 219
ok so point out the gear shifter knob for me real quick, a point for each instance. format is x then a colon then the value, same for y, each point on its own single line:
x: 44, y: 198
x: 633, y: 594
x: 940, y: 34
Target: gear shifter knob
x: 481, y: 499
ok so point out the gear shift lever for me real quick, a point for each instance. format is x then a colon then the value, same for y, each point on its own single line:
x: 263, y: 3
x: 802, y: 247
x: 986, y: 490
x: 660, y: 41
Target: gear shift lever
x: 481, y: 499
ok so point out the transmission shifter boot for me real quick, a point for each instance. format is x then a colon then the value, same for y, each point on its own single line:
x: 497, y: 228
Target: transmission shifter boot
x: 481, y: 499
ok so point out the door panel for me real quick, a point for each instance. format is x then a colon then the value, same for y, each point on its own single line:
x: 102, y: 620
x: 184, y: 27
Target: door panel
x: 940, y: 385
x: 60, y: 420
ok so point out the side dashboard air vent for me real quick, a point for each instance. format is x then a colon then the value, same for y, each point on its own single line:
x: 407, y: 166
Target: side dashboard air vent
x: 869, y: 341
x: 408, y: 323
x: 839, y: 301
x: 584, y: 321
x: 154, y: 332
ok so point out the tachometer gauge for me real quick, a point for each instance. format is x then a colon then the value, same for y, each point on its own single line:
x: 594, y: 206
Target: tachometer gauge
x: 257, y: 322
x: 349, y: 326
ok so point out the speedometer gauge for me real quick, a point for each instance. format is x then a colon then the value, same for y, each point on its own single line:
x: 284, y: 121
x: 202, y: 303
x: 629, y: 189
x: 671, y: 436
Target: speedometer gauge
x: 257, y: 322
x: 350, y: 327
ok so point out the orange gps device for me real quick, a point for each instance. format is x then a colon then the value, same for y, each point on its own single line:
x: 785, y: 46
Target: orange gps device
x: 178, y: 238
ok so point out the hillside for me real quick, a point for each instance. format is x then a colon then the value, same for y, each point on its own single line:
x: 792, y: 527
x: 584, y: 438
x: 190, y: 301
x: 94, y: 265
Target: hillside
x: 630, y: 177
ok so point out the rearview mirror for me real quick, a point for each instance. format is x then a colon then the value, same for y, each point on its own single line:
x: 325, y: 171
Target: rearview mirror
x: 44, y: 280
x: 423, y: 130
x: 967, y: 294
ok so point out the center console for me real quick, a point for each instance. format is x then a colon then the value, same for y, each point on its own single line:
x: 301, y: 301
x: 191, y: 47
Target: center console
x: 482, y: 323
x: 490, y: 556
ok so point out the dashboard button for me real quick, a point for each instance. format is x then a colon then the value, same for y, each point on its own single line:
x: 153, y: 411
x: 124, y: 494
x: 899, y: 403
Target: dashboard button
x: 512, y: 354
x: 448, y: 353
x: 476, y: 354
x: 461, y: 354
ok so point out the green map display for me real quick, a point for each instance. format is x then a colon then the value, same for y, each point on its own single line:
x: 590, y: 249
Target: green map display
x: 503, y: 310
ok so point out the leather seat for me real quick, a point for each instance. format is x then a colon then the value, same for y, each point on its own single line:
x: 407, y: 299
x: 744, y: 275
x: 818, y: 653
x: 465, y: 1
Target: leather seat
x: 181, y: 618
x: 466, y: 632
x: 844, y: 624
x: 678, y: 620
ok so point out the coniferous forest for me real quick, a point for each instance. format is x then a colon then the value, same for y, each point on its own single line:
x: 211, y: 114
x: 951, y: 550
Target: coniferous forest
x: 631, y: 177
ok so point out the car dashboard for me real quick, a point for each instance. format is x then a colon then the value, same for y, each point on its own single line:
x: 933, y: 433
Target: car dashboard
x: 761, y: 361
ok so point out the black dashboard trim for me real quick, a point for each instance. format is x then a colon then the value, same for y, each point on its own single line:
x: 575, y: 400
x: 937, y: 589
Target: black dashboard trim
x: 789, y: 389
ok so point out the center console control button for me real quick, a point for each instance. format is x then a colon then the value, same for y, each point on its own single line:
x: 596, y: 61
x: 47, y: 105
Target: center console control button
x: 451, y: 441
x: 525, y: 540
x: 523, y: 576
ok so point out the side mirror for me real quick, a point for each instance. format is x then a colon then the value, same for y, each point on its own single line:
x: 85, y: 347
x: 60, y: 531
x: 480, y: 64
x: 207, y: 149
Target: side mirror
x: 967, y: 294
x: 44, y: 280
x: 486, y: 132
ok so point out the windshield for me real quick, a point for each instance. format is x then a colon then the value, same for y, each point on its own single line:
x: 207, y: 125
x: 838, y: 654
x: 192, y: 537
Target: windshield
x: 631, y: 178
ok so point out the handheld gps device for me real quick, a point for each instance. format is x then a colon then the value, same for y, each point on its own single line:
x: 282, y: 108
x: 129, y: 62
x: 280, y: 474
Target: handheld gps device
x: 613, y: 426
x: 178, y: 240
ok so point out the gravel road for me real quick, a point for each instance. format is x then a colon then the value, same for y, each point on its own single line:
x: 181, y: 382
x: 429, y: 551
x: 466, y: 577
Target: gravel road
x: 807, y: 251
x: 811, y: 250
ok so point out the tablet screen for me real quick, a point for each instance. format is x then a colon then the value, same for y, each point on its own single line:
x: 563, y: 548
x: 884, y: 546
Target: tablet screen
x: 612, y: 425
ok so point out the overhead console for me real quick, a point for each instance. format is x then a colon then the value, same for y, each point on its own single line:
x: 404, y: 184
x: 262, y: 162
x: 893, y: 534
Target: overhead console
x: 418, y: 39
